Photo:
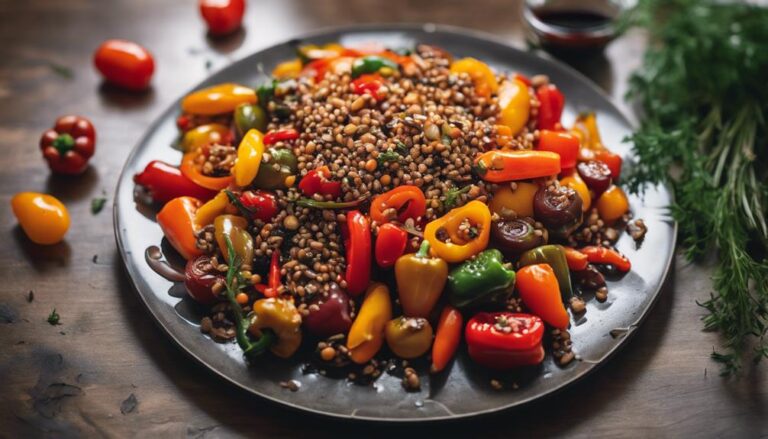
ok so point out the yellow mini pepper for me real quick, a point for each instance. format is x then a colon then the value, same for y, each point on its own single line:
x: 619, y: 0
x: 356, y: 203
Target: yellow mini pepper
x: 515, y: 104
x: 482, y: 75
x: 203, y: 135
x: 288, y: 69
x: 222, y: 98
x: 464, y: 242
x: 367, y: 333
x: 282, y: 318
x: 420, y: 281
x: 249, y: 155
x: 211, y: 209
x: 236, y: 228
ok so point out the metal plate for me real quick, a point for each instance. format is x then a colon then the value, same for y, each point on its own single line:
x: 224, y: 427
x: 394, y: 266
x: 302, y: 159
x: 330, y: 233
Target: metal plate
x: 465, y: 390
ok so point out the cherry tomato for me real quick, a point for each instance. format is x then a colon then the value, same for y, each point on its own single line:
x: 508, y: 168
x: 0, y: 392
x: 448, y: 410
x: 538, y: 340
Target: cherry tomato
x: 124, y: 63
x: 43, y: 218
x: 222, y: 16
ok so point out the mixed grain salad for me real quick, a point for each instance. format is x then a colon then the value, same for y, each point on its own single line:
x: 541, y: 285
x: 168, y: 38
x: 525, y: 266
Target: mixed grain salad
x: 369, y: 204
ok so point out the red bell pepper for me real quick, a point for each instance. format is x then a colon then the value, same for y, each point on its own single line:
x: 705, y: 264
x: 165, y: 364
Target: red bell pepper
x: 166, y: 182
x: 551, y: 102
x: 273, y: 137
x: 498, y: 166
x: 447, y: 338
x: 69, y: 145
x: 613, y: 161
x: 566, y: 145
x: 605, y: 255
x: 504, y: 340
x: 261, y: 204
x: 368, y: 83
x: 357, y: 240
x: 408, y: 201
x: 317, y: 182
x: 390, y: 244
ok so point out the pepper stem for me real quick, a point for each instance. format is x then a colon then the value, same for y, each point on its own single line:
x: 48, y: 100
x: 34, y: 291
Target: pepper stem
x: 63, y: 143
x: 423, y: 250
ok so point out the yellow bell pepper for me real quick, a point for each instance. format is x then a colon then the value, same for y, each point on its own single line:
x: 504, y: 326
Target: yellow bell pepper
x: 482, y: 75
x: 464, y: 242
x: 420, y: 281
x: 222, y: 98
x: 515, y: 105
x: 236, y: 228
x: 366, y: 336
x: 203, y: 135
x: 208, y: 212
x: 249, y: 155
x: 281, y: 317
x: 288, y: 69
x: 519, y: 200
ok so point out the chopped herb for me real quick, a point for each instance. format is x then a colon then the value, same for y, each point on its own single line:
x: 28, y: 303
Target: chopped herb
x: 53, y: 318
x: 246, y: 211
x: 61, y: 70
x: 453, y: 194
x: 480, y: 169
x: 97, y: 204
x: 388, y: 156
x: 208, y: 64
x: 402, y: 148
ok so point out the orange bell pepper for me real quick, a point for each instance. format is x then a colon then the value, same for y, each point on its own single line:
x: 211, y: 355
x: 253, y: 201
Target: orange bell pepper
x: 515, y: 105
x: 177, y: 220
x: 463, y: 243
x: 501, y: 166
x: 218, y: 99
x: 540, y: 292
x: 366, y: 336
x: 192, y: 171
x: 482, y: 75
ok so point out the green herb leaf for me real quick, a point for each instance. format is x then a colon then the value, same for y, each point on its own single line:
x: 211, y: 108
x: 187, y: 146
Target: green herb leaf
x: 53, y: 318
x: 390, y: 155
x: 97, y: 204
x: 452, y: 196
x: 61, y: 70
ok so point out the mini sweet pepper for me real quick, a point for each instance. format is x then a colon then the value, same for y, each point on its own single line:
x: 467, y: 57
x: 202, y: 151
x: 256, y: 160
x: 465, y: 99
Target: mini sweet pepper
x: 484, y: 279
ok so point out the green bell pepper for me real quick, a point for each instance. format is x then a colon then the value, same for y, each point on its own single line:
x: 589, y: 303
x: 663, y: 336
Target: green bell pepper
x: 554, y: 255
x: 273, y: 171
x: 248, y: 116
x: 484, y: 279
x: 371, y: 64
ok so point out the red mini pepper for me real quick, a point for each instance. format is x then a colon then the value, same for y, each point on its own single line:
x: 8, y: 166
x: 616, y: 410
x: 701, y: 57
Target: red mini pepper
x: 613, y: 161
x: 368, y: 83
x: 408, y: 201
x: 272, y: 289
x: 69, y: 145
x: 504, y: 340
x: 551, y: 102
x: 577, y: 260
x: 605, y: 255
x: 317, y: 182
x: 357, y: 240
x: 273, y: 137
x: 262, y: 204
x: 566, y: 145
x: 447, y: 338
x: 166, y: 182
x: 390, y: 244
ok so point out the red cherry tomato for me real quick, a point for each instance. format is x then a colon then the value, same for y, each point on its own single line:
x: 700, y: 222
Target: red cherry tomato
x: 125, y: 64
x: 222, y: 16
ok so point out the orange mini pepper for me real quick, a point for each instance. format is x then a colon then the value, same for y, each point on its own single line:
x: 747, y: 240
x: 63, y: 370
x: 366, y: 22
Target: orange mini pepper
x: 177, y: 220
x: 482, y: 75
x: 218, y: 99
x: 575, y: 182
x: 605, y: 255
x: 208, y: 212
x: 408, y: 201
x: 501, y: 166
x: 447, y: 338
x: 204, y: 135
x: 43, y: 217
x: 540, y: 292
x: 577, y: 260
x: 191, y: 170
x: 515, y: 105
x: 462, y: 246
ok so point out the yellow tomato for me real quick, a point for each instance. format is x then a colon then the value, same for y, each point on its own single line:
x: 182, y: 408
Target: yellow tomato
x: 612, y: 204
x: 222, y: 98
x: 575, y: 182
x: 519, y: 200
x: 203, y: 135
x: 515, y: 104
x: 43, y: 218
x: 482, y: 75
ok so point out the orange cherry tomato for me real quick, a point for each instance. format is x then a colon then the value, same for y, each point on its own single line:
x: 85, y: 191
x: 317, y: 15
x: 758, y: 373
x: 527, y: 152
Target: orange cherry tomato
x: 43, y: 218
x: 222, y: 16
x: 125, y: 64
x: 612, y: 204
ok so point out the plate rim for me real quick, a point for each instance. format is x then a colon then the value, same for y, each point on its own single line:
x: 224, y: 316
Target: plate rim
x: 389, y: 27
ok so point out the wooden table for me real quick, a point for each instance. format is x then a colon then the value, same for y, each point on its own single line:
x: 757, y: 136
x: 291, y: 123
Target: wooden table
x: 72, y: 379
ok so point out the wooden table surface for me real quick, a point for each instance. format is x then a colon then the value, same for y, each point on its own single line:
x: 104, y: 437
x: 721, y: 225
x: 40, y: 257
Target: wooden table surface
x: 72, y: 380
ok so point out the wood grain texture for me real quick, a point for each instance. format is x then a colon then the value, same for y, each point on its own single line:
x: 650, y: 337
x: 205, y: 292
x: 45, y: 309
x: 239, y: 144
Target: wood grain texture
x: 73, y: 379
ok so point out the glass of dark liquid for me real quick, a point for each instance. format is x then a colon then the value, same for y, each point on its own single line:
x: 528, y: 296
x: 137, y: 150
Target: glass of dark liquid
x: 573, y: 25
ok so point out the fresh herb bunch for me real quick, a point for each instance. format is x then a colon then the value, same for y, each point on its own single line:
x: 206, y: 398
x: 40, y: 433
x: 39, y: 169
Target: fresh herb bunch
x: 704, y: 97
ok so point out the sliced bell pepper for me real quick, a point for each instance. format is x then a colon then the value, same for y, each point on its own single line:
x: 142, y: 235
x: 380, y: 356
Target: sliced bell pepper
x: 390, y: 244
x: 357, y: 240
x: 420, y: 281
x: 540, y: 292
x: 249, y: 155
x: 566, y: 145
x: 166, y: 182
x: 177, y: 220
x: 218, y: 99
x: 273, y: 137
x: 408, y: 202
x: 191, y: 170
x: 605, y: 255
x: 464, y: 242
x: 447, y: 337
x: 500, y: 166
x: 281, y: 317
x: 551, y: 103
x: 482, y: 75
x: 577, y: 261
x: 481, y: 280
x: 317, y: 182
x: 505, y: 340
x: 366, y: 335
x: 515, y: 105
x: 235, y: 230
x: 554, y: 255
x: 205, y: 135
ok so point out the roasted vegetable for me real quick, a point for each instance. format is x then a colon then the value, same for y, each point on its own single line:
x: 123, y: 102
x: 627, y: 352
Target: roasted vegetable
x: 420, y: 281
x: 465, y: 242
x: 69, y: 145
x: 505, y: 340
x: 558, y: 208
x: 408, y: 337
x: 367, y: 333
x: 540, y: 292
x: 515, y: 236
x: 482, y: 280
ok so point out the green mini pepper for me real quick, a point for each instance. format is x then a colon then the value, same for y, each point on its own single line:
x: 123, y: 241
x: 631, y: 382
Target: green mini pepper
x: 554, y: 255
x: 248, y: 116
x: 274, y: 170
x: 480, y: 280
x: 371, y: 64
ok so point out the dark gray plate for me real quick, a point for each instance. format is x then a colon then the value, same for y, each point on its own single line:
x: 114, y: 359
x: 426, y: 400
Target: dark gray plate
x: 465, y: 390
